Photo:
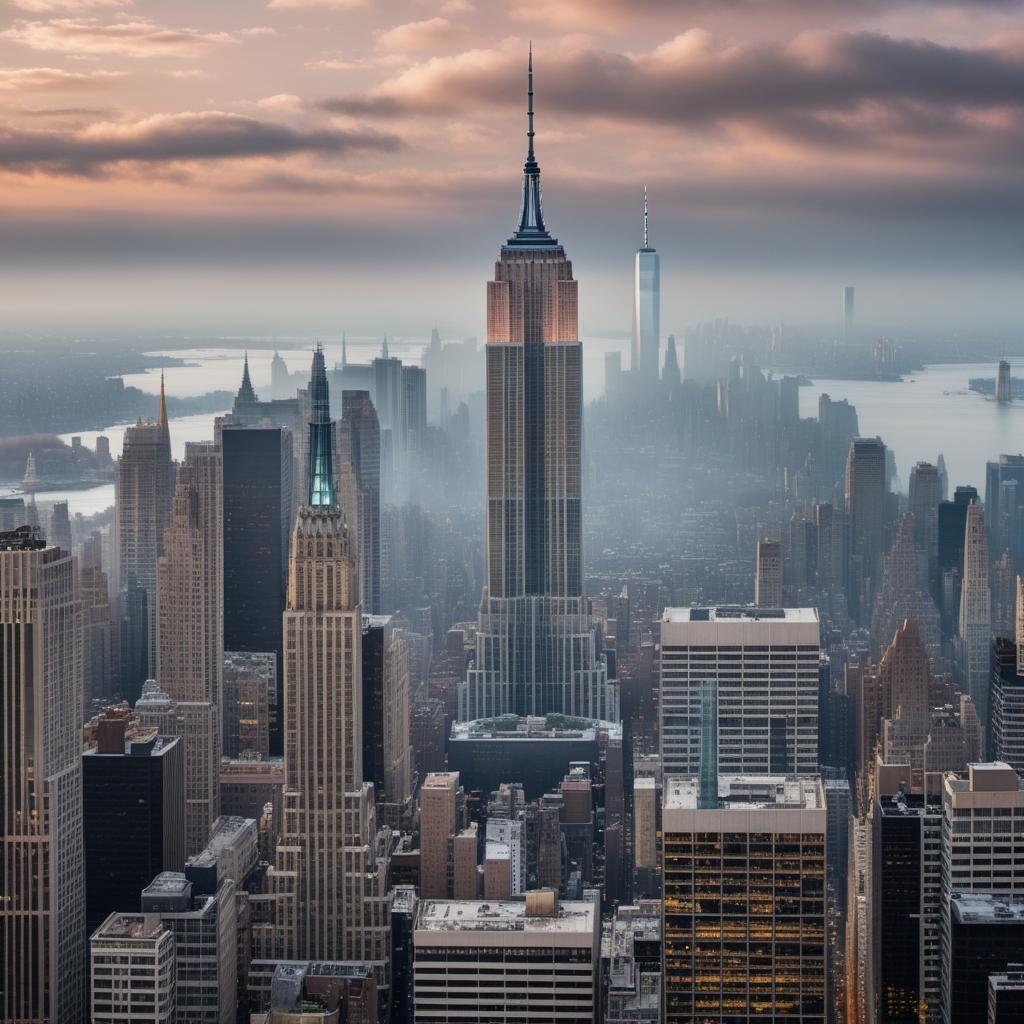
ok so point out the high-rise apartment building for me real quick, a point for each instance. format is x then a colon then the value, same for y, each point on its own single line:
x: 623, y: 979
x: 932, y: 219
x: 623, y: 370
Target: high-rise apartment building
x: 42, y: 909
x: 331, y: 864
x: 768, y: 588
x: 976, y: 614
x: 646, y: 351
x: 762, y: 665
x: 257, y: 522
x: 744, y: 900
x: 536, y: 649
x: 440, y: 819
x: 536, y: 959
x: 144, y: 487
x: 190, y: 622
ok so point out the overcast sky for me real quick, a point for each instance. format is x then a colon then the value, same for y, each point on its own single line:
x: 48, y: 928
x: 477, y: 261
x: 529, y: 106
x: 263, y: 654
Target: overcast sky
x: 299, y: 166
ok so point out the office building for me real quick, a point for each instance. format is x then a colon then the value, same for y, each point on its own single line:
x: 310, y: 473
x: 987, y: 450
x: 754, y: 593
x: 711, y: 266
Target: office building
x: 904, y: 680
x: 403, y: 921
x: 768, y: 590
x: 1006, y: 996
x: 986, y: 938
x: 387, y: 750
x: 42, y: 913
x: 976, y: 614
x: 763, y: 667
x: 925, y: 496
x: 536, y: 959
x: 646, y: 351
x: 981, y: 851
x: 1004, y: 391
x: 133, y: 971
x: 133, y: 789
x: 143, y: 489
x: 866, y: 504
x: 331, y: 867
x: 631, y: 964
x: 441, y: 817
x: 190, y: 620
x: 258, y: 489
x: 249, y: 704
x: 536, y: 648
x: 952, y: 530
x: 359, y: 456
x: 533, y: 751
x: 306, y: 992
x: 1008, y: 702
x: 744, y: 900
x: 199, y: 909
x: 1004, y: 506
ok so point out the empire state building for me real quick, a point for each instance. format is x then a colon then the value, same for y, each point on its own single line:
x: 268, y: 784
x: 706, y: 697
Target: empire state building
x: 536, y: 647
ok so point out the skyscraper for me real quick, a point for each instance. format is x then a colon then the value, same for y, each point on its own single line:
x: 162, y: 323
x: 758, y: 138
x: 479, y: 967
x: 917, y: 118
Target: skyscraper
x: 866, y: 506
x: 646, y: 353
x: 768, y: 587
x: 191, y: 630
x: 42, y: 909
x: 331, y: 865
x: 976, y: 614
x: 848, y: 294
x: 257, y: 519
x: 144, y: 486
x: 536, y: 648
x: 745, y: 900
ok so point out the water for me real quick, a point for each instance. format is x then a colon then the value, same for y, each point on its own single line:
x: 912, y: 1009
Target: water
x: 932, y: 412
x: 928, y: 413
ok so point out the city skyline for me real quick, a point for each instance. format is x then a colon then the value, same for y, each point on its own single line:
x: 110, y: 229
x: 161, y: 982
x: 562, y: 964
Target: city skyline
x: 783, y: 143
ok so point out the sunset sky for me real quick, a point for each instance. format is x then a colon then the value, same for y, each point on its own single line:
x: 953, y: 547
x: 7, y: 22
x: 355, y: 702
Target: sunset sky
x: 302, y: 166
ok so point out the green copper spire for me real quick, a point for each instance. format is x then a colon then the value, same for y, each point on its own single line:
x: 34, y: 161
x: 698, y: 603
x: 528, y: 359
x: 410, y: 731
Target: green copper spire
x: 321, y: 456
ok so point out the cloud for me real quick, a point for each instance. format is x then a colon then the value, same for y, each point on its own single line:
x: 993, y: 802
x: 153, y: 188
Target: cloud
x: 133, y: 38
x: 167, y: 138
x: 608, y: 15
x: 431, y: 34
x: 55, y: 79
x: 693, y: 80
x: 283, y: 102
x: 258, y: 30
x: 48, y: 6
x: 309, y: 5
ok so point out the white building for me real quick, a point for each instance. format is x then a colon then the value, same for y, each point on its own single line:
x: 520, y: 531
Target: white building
x: 511, y: 961
x: 132, y: 966
x: 763, y: 663
x: 982, y: 842
x: 510, y: 833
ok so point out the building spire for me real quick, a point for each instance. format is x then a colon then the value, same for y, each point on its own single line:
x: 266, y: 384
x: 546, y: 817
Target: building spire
x: 321, y: 454
x: 531, y: 230
x: 384, y: 348
x: 646, y: 246
x: 162, y: 416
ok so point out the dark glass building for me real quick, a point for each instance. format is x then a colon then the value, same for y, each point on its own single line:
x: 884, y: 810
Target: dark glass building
x: 986, y: 937
x: 897, y: 907
x: 1006, y: 742
x: 257, y: 524
x: 952, y: 529
x: 133, y: 797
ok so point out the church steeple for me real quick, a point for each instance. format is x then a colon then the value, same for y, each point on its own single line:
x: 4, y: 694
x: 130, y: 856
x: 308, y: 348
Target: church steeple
x: 531, y: 230
x: 321, y: 454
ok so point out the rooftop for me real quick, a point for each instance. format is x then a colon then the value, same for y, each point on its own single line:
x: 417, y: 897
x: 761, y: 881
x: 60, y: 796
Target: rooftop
x: 984, y: 908
x: 748, y: 792
x: 130, y: 926
x: 504, y: 916
x: 740, y: 613
x: 553, y: 727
